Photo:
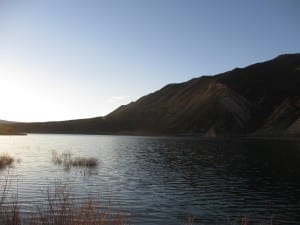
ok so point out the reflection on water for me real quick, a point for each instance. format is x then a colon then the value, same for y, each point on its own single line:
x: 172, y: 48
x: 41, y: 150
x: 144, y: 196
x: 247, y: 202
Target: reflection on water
x: 163, y: 180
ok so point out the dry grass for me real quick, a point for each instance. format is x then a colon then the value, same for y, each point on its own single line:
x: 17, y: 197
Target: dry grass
x: 66, y: 159
x: 60, y: 209
x: 84, y: 162
x: 6, y: 160
x: 246, y: 221
x: 9, y: 209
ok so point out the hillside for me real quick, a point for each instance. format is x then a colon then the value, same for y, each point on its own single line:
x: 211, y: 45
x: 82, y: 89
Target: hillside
x: 5, y: 122
x: 261, y: 99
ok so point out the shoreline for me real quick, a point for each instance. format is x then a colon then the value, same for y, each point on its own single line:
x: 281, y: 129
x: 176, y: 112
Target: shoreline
x: 200, y: 136
x: 13, y: 134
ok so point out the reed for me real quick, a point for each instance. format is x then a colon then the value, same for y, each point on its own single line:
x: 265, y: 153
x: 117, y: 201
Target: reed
x: 61, y: 208
x: 66, y: 159
x: 6, y: 160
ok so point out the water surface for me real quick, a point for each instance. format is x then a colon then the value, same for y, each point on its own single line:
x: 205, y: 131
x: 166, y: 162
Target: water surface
x: 162, y: 180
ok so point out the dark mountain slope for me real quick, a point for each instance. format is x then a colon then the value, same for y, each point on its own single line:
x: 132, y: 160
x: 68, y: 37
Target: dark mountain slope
x: 88, y: 126
x: 293, y: 129
x: 240, y: 101
x: 284, y: 120
x: 276, y: 78
x: 5, y: 122
x: 191, y: 107
x: 266, y: 84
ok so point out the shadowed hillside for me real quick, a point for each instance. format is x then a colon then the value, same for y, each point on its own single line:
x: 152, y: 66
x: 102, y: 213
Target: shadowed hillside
x: 261, y: 99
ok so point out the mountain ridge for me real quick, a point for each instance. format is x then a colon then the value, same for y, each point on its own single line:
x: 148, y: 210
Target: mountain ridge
x: 242, y: 101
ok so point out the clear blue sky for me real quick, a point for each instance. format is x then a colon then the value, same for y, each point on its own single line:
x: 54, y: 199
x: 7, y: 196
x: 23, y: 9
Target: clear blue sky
x: 75, y: 59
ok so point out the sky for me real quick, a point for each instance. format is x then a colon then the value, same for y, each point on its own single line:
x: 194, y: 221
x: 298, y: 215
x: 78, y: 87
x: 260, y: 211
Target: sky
x: 63, y: 59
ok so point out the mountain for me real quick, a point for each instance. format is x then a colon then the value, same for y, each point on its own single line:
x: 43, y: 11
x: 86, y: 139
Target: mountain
x: 7, y: 130
x: 2, y: 121
x: 261, y: 99
x: 5, y: 122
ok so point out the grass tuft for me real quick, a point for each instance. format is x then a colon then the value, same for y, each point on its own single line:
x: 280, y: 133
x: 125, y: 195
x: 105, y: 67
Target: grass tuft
x: 66, y: 159
x: 6, y: 160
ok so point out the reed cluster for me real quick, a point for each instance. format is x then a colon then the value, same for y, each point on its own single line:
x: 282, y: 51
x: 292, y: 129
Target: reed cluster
x: 6, y: 160
x: 66, y: 159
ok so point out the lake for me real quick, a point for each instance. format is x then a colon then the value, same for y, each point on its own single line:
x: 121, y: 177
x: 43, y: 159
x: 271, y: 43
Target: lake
x: 162, y: 180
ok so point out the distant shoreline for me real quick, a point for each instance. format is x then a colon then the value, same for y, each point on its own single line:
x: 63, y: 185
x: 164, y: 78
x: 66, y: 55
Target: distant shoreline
x: 189, y: 135
x: 12, y: 134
